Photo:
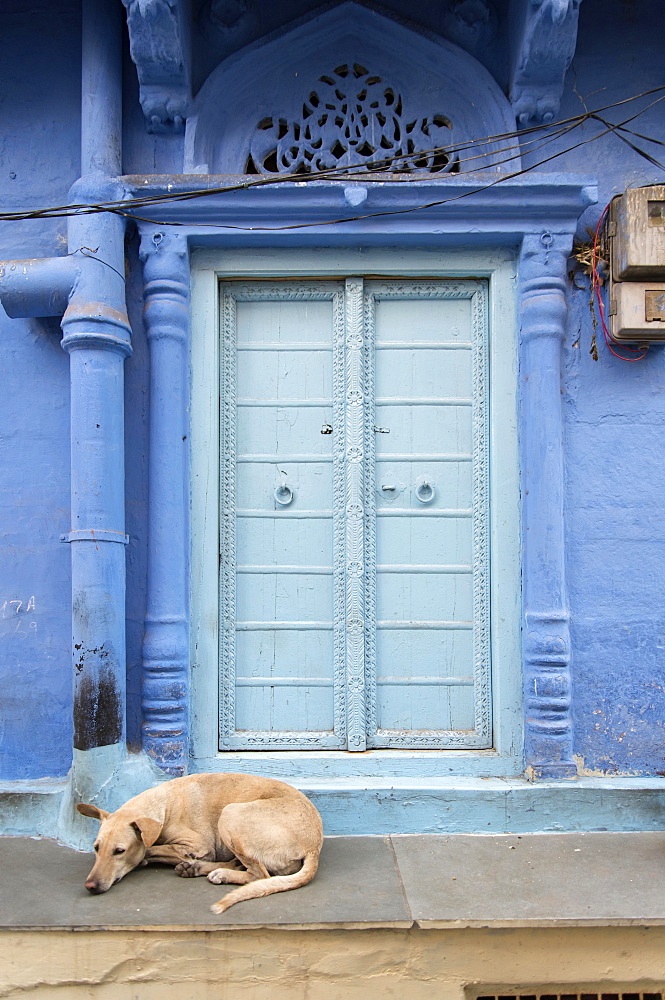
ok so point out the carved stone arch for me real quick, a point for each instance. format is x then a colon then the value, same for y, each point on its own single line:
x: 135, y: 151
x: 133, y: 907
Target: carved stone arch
x: 349, y: 87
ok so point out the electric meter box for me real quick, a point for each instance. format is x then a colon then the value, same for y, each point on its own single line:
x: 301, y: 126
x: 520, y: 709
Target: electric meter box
x: 637, y: 311
x: 637, y: 232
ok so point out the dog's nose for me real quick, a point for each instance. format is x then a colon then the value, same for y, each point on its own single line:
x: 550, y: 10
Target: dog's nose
x: 92, y: 886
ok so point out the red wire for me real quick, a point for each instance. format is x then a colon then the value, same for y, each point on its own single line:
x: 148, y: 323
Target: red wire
x: 597, y: 285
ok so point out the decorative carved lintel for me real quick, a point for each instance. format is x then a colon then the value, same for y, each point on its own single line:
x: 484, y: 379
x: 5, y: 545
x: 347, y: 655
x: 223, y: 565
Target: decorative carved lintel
x: 159, y: 46
x: 543, y: 46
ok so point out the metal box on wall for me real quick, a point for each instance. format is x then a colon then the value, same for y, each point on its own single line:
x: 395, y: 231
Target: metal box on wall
x: 637, y: 229
x: 637, y: 252
x: 637, y: 311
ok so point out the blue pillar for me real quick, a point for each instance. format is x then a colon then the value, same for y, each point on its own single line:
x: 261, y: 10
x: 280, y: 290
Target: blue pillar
x: 166, y: 639
x: 548, y: 732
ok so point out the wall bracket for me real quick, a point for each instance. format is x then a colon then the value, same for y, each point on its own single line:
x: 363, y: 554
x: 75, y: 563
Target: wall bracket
x: 543, y: 45
x: 159, y: 46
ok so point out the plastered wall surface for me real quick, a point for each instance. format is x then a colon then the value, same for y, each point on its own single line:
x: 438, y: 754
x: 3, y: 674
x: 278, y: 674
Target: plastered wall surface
x: 615, y: 410
x: 39, y: 153
x: 323, y: 965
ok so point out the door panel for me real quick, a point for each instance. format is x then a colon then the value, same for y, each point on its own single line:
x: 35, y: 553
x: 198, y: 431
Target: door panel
x: 424, y: 370
x: 435, y: 593
x: 432, y: 705
x: 279, y: 663
x: 398, y: 320
x: 353, y: 551
x: 430, y: 655
x: 264, y: 541
x: 439, y: 430
x: 395, y: 490
x: 405, y: 540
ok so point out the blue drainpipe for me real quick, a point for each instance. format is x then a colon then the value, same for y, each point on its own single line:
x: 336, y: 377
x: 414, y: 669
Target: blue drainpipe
x: 88, y: 289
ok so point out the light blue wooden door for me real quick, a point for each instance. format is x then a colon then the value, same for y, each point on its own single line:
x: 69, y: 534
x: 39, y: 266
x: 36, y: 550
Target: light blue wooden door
x: 353, y: 567
x: 282, y: 650
x: 427, y: 656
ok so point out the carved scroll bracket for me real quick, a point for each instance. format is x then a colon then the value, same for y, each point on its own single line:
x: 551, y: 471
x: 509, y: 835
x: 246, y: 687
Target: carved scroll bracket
x: 543, y: 46
x: 159, y: 47
x: 166, y: 637
x: 548, y: 734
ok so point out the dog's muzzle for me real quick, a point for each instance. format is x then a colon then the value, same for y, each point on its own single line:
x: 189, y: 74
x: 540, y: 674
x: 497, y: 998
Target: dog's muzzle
x: 95, y: 887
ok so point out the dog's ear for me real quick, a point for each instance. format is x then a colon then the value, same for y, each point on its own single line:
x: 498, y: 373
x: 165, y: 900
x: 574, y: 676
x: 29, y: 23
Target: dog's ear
x: 147, y: 829
x: 94, y: 811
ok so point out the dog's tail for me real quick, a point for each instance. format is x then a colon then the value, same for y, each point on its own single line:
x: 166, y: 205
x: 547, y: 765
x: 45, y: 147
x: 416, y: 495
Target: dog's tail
x: 276, y: 883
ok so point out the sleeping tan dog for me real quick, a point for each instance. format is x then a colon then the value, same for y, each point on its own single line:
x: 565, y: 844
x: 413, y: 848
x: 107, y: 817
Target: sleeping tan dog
x: 194, y: 823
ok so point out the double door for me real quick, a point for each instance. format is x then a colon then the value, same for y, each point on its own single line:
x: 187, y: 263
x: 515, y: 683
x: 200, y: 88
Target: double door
x: 354, y: 568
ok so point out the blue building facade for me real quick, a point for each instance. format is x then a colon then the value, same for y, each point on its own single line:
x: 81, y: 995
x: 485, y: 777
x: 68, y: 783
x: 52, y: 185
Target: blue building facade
x: 325, y: 266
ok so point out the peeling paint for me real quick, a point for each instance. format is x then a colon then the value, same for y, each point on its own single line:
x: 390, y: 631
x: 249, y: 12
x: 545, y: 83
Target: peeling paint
x: 594, y: 772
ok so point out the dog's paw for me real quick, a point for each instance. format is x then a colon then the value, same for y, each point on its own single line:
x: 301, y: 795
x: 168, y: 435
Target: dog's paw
x: 188, y: 869
x: 218, y: 876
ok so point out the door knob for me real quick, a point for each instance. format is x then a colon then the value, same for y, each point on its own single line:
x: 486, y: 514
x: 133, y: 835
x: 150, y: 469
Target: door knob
x: 284, y: 494
x: 425, y: 492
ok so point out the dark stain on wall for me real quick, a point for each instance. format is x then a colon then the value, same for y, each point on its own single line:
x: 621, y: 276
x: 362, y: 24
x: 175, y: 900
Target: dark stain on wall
x: 97, y: 711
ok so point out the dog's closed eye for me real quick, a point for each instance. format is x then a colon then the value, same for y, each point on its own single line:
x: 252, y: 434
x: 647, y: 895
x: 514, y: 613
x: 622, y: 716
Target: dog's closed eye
x: 119, y: 850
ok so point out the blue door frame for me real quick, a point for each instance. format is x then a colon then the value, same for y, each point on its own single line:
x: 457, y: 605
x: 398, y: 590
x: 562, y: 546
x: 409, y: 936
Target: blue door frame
x: 529, y: 221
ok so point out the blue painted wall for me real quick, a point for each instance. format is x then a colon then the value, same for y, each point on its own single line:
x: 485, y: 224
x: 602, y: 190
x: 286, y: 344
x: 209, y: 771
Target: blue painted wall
x: 39, y: 160
x: 615, y: 411
x: 615, y: 440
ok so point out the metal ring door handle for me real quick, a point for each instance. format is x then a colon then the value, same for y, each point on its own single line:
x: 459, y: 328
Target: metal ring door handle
x: 425, y: 492
x: 284, y: 494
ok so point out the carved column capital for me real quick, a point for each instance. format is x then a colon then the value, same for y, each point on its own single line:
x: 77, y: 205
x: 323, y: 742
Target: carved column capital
x: 166, y: 285
x: 158, y: 242
x: 545, y: 253
x: 543, y: 269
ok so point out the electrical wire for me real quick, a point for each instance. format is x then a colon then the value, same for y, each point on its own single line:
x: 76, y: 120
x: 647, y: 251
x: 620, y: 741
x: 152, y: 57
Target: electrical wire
x: 555, y: 131
x: 538, y: 140
x: 124, y: 206
x: 618, y: 129
x: 391, y: 212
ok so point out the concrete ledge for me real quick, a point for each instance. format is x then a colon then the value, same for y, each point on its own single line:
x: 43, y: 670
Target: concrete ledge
x: 30, y: 807
x: 368, y: 806
x: 446, y: 805
x: 430, y: 882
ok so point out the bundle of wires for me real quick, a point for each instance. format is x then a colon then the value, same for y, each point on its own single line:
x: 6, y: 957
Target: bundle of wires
x: 508, y: 145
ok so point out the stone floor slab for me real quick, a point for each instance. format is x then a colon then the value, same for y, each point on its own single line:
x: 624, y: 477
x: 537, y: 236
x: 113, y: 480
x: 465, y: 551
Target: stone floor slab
x: 537, y: 880
x: 42, y: 886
